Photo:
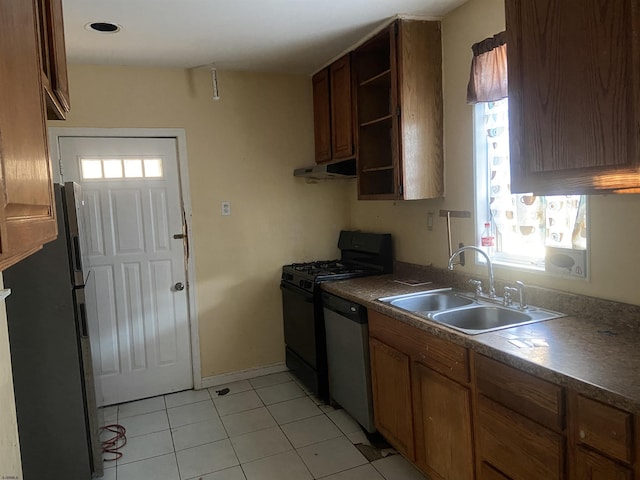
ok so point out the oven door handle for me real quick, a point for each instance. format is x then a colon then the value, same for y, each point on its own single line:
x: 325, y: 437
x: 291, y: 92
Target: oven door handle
x: 308, y: 296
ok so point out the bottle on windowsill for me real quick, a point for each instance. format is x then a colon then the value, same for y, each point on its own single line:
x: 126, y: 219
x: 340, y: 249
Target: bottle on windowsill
x: 487, y: 239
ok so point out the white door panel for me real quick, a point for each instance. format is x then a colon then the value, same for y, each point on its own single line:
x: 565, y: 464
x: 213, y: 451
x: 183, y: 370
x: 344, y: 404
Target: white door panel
x: 138, y: 320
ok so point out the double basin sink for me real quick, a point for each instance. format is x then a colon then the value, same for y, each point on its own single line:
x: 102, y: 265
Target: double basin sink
x: 465, y: 313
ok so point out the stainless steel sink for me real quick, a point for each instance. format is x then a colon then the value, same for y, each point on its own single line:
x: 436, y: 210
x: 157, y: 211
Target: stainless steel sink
x: 429, y: 301
x: 466, y: 314
x: 486, y: 318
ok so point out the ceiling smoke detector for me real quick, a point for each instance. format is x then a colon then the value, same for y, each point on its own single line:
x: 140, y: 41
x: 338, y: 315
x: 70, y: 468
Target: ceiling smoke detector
x: 103, y: 27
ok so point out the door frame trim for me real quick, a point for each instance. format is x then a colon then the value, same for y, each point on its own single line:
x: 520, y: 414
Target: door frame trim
x: 179, y: 134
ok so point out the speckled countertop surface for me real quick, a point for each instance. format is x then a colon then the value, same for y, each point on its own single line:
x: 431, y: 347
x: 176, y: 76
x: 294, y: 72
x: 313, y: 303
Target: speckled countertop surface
x: 597, y: 354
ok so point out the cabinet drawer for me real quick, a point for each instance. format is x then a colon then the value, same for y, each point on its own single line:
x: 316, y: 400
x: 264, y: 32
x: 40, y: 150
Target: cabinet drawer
x: 591, y: 466
x: 440, y: 355
x: 516, y: 446
x: 604, y: 428
x: 537, y: 399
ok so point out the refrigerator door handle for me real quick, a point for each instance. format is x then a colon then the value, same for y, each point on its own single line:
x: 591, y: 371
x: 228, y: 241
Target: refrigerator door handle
x: 77, y: 254
x: 83, y: 321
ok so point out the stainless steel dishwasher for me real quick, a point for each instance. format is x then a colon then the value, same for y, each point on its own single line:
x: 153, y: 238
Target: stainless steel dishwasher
x: 347, y: 333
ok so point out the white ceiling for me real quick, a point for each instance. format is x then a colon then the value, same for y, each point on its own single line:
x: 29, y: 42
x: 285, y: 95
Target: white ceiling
x: 288, y: 36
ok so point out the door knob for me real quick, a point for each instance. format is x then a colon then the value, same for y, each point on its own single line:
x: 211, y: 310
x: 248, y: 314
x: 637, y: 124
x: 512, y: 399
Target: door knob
x: 179, y: 286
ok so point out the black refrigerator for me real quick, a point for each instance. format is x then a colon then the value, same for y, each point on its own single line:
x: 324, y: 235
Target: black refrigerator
x: 50, y: 354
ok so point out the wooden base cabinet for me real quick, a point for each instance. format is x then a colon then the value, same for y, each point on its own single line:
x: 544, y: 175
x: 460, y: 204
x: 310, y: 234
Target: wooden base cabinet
x: 459, y: 415
x: 442, y: 419
x: 591, y: 466
x: 421, y: 397
x: 602, y: 440
x: 516, y: 446
x: 391, y: 384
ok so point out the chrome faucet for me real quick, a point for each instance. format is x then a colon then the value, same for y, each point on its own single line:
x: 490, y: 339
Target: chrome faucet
x: 492, y: 288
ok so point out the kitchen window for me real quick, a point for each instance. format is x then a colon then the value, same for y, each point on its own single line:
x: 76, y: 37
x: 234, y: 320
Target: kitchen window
x: 528, y: 230
x: 522, y: 230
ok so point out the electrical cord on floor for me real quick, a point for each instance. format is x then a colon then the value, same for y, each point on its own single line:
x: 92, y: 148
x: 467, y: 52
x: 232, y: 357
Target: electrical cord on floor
x: 115, y: 443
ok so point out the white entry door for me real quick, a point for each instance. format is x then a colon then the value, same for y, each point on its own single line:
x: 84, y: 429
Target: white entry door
x: 137, y: 304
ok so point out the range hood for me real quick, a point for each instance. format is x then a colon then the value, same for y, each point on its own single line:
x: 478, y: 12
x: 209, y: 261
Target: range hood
x: 325, y: 171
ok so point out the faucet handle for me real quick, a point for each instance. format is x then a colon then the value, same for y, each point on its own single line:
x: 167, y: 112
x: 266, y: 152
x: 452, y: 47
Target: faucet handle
x: 477, y: 284
x: 523, y: 295
x: 507, y: 299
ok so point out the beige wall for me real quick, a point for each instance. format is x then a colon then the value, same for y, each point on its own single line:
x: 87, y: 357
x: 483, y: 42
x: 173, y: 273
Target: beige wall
x: 242, y: 149
x: 10, y: 466
x: 614, y: 222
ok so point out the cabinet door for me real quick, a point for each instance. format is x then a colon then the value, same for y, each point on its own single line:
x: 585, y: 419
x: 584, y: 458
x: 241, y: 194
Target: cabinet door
x: 574, y: 95
x: 27, y: 217
x: 322, y: 116
x: 419, y: 61
x: 442, y: 420
x: 54, y: 59
x: 516, y: 446
x: 341, y: 108
x: 391, y: 385
x: 603, y: 428
x: 591, y: 466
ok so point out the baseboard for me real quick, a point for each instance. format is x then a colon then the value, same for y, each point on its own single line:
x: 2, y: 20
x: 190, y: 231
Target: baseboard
x: 225, y: 378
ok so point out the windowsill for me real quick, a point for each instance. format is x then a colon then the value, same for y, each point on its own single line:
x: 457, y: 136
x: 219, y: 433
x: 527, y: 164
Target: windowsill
x: 532, y: 269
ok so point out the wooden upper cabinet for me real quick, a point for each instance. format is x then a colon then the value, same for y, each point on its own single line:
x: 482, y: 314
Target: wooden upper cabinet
x: 54, y: 60
x: 574, y: 95
x: 27, y: 212
x: 322, y: 116
x: 341, y: 109
x: 398, y: 77
x: 333, y: 112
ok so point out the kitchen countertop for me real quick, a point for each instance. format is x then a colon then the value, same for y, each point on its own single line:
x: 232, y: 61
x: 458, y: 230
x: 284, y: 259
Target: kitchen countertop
x: 598, y: 356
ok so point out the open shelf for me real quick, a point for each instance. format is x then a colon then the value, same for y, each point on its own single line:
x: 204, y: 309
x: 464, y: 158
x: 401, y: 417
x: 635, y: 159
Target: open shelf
x: 375, y: 120
x: 377, y: 169
x: 376, y: 183
x: 381, y: 78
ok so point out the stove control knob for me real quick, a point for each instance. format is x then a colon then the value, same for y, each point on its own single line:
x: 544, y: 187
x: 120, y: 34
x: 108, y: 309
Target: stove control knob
x: 301, y: 283
x: 307, y: 284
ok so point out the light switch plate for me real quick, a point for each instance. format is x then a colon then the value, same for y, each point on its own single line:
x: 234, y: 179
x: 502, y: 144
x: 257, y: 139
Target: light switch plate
x: 226, y: 208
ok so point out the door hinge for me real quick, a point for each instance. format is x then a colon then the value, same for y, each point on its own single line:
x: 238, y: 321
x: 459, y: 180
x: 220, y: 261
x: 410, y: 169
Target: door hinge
x: 400, y: 192
x: 398, y: 110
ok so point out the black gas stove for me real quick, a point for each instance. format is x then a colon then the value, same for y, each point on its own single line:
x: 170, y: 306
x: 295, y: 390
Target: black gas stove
x: 362, y: 254
x: 308, y: 275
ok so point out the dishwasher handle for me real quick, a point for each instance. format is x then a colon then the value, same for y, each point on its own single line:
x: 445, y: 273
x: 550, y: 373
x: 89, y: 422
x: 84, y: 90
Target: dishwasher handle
x: 352, y: 311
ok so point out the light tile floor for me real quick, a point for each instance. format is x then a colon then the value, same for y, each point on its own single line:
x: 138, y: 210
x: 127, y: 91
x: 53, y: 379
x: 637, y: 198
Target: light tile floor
x: 265, y: 428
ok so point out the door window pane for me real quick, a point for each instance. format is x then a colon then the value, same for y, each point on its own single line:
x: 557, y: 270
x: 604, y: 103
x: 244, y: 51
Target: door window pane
x: 112, y: 168
x: 91, y: 168
x: 133, y: 168
x: 153, y: 167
